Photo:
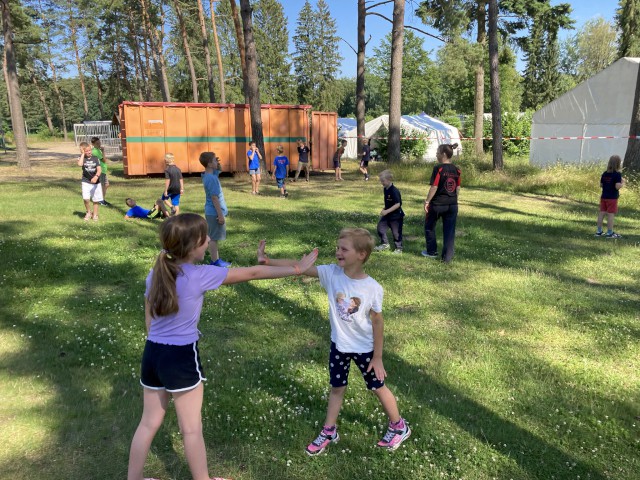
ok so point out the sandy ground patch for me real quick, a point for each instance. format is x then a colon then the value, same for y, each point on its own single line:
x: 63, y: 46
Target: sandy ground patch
x: 49, y: 160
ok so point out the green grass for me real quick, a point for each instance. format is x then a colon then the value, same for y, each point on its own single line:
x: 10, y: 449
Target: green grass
x: 519, y: 360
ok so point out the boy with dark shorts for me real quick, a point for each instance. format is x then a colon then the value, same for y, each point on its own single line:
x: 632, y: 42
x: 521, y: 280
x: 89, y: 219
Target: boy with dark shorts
x: 173, y: 184
x: 215, y: 208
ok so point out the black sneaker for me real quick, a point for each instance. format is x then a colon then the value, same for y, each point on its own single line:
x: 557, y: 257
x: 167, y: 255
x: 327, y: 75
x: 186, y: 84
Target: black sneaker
x: 424, y: 253
x: 599, y: 234
x: 613, y: 235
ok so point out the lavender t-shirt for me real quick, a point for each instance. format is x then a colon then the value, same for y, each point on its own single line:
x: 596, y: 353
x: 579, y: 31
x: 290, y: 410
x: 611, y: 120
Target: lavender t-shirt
x: 181, y: 328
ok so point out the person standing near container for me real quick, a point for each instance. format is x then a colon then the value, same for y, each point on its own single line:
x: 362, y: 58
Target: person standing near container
x: 254, y: 157
x: 303, y: 160
x: 173, y: 183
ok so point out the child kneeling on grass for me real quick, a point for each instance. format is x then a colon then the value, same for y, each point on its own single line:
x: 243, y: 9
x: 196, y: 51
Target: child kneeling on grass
x: 356, y: 334
x: 171, y: 366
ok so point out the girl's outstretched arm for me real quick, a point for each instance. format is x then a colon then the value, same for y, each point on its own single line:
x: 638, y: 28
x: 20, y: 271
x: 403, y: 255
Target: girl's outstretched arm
x: 259, y: 272
x: 263, y: 259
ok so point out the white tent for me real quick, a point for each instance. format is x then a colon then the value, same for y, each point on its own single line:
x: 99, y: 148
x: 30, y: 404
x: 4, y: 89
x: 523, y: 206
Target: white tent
x: 437, y: 132
x: 600, y: 106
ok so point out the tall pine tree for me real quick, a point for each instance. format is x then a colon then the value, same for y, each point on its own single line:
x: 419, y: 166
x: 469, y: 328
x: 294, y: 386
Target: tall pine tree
x: 628, y: 21
x: 274, y: 64
x: 316, y: 57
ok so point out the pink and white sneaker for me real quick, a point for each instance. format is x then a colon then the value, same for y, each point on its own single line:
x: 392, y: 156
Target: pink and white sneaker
x: 394, y: 437
x: 321, y: 442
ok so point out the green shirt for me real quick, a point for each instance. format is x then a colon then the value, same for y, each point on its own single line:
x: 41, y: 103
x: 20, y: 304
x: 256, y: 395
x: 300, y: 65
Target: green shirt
x: 96, y: 152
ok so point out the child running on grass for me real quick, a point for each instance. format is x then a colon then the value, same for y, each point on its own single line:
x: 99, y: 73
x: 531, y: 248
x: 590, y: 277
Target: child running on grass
x: 171, y: 366
x: 356, y: 334
x: 281, y: 170
x: 391, y: 216
x: 611, y: 182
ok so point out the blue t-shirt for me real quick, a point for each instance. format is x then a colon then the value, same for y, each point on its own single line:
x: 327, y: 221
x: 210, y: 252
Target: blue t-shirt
x: 211, y: 184
x: 280, y: 164
x: 608, y: 182
x: 137, y: 212
x: 254, y: 161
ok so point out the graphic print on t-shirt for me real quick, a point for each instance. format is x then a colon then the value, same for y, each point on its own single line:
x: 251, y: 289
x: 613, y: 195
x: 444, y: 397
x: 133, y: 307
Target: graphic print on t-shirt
x: 347, y: 309
x: 450, y: 185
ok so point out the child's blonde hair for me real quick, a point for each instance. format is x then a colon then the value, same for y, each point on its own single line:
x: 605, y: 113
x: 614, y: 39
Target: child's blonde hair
x: 361, y: 240
x: 279, y: 149
x: 386, y: 175
x: 169, y: 159
x: 615, y: 164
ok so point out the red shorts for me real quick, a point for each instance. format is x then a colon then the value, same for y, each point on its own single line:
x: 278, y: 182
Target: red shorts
x: 609, y: 205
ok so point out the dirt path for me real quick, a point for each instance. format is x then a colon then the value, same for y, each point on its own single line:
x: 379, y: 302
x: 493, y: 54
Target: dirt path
x: 49, y: 160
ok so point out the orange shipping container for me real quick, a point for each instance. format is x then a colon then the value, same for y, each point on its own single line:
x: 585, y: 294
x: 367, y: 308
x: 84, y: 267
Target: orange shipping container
x: 149, y: 130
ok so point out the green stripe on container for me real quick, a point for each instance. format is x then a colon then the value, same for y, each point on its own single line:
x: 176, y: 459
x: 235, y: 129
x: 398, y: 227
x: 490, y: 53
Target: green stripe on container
x: 209, y: 139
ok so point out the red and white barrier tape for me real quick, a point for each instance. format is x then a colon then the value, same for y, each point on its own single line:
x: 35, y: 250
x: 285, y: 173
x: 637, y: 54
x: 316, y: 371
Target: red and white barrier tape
x: 515, y: 138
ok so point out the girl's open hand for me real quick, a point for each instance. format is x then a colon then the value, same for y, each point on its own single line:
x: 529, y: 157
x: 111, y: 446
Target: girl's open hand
x: 308, y: 260
x: 263, y: 259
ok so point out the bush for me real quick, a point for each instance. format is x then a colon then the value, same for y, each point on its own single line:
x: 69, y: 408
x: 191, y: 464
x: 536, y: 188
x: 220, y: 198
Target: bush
x: 43, y: 133
x: 409, y: 149
x: 513, y: 125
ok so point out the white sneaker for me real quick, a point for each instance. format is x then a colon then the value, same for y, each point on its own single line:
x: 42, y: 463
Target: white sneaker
x: 381, y: 247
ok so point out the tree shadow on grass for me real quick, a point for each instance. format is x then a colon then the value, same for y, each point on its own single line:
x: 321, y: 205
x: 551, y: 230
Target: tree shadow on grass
x: 80, y: 407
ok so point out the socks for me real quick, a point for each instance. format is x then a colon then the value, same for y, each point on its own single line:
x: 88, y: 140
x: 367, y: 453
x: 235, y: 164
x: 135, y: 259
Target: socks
x: 329, y: 430
x: 399, y: 425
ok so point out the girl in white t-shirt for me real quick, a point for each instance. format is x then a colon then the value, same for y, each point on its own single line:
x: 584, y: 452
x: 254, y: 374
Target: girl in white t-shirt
x: 356, y: 334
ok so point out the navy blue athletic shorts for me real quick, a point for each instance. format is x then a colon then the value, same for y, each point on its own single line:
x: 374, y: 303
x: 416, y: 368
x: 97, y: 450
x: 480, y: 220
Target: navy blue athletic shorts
x: 174, y: 368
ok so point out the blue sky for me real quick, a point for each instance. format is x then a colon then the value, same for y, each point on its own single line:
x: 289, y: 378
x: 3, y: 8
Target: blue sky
x: 345, y: 13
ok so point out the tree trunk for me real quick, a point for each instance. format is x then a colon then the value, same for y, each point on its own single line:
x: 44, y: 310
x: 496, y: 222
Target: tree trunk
x: 253, y: 88
x: 632, y: 155
x: 163, y: 64
x: 74, y: 42
x: 360, y: 93
x: 156, y: 50
x: 187, y: 51
x: 141, y: 81
x: 54, y: 76
x: 94, y: 70
x: 13, y: 89
x: 241, y: 47
x: 478, y: 110
x: 223, y: 97
x: 43, y: 100
x: 395, y: 87
x: 207, y: 55
x: 496, y: 114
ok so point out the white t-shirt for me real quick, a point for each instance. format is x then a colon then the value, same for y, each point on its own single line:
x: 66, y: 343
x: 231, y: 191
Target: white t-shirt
x: 350, y: 302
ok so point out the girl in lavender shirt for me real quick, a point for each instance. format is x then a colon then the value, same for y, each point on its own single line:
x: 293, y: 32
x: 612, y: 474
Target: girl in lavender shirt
x: 170, y: 363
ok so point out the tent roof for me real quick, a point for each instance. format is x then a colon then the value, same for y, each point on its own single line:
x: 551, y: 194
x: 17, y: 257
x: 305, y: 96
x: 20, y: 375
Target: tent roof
x: 606, y: 98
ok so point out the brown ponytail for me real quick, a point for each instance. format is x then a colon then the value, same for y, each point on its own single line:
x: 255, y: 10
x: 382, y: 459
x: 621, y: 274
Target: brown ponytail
x: 179, y: 236
x: 447, y: 149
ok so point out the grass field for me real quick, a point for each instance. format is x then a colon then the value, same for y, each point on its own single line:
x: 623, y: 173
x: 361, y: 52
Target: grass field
x: 519, y: 360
